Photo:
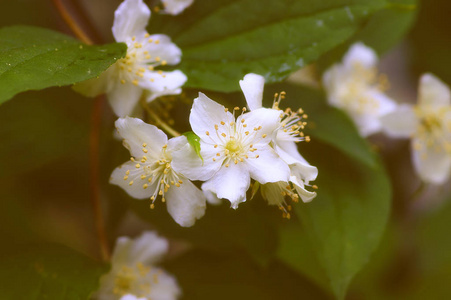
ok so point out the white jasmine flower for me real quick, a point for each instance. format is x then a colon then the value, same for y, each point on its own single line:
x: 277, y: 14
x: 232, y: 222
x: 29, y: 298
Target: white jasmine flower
x: 233, y: 151
x: 284, y: 141
x: 125, y: 81
x: 133, y: 275
x: 354, y: 87
x: 428, y: 124
x: 174, y: 7
x: 149, y: 173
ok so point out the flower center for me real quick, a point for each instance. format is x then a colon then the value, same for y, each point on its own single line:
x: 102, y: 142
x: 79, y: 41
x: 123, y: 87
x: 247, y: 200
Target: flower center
x: 156, y: 172
x: 129, y: 280
x: 233, y: 146
x: 138, y: 60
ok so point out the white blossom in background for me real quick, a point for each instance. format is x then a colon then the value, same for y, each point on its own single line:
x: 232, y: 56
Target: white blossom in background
x: 150, y: 174
x: 125, y: 81
x: 287, y: 134
x: 175, y: 7
x: 355, y: 87
x: 428, y: 124
x: 234, y: 150
x: 133, y: 274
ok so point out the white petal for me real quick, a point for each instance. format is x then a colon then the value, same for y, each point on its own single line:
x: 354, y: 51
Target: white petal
x: 268, y: 167
x: 185, y: 161
x: 205, y: 113
x: 136, y: 133
x: 131, y: 297
x: 359, y: 54
x: 288, y: 151
x: 384, y: 103
x: 231, y: 183
x: 174, y: 7
x: 267, y: 118
x: 401, y: 123
x: 165, y: 289
x: 136, y: 189
x: 123, y: 98
x: 163, y: 48
x: 130, y: 19
x: 433, y: 91
x: 302, y: 170
x: 166, y: 83
x: 252, y: 86
x: 209, y: 192
x: 148, y: 248
x: 306, y: 196
x: 431, y: 165
x: 186, y: 203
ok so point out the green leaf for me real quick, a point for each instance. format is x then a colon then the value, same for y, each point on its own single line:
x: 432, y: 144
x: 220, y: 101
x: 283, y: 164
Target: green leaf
x: 35, y: 58
x: 236, y: 276
x: 384, y: 30
x: 325, y: 123
x: 48, y: 271
x: 223, y: 42
x: 41, y: 127
x: 193, y: 140
x: 342, y: 226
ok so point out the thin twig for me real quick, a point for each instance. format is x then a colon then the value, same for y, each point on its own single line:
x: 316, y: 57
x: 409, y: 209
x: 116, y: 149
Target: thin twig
x: 158, y: 120
x: 94, y: 138
x: 71, y: 23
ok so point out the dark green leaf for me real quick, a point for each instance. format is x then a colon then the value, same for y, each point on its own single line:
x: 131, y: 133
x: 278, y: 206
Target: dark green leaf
x: 34, y: 58
x: 42, y: 127
x: 206, y: 275
x: 193, y: 140
x: 343, y: 225
x: 223, y: 42
x: 48, y: 272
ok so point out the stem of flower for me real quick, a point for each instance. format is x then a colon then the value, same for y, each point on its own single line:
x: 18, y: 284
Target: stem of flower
x: 158, y: 120
x: 71, y: 22
x: 93, y: 142
x: 94, y: 138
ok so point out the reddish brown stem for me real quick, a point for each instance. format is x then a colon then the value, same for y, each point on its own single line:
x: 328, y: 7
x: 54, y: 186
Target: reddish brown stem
x: 94, y: 138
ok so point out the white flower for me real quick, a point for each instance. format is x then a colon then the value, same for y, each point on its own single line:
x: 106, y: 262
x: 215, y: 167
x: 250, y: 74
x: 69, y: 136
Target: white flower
x: 354, y: 87
x: 133, y: 275
x: 233, y: 151
x: 174, y: 7
x: 125, y: 81
x: 149, y: 174
x: 428, y: 124
x: 284, y: 141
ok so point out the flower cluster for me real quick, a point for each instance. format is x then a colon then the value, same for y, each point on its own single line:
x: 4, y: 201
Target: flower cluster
x: 235, y: 147
x: 354, y: 87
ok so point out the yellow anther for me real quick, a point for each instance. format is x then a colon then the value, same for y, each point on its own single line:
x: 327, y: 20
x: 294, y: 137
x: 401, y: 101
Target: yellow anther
x: 135, y: 82
x: 222, y: 123
x: 122, y: 81
x: 177, y: 184
x: 160, y: 192
x: 130, y: 183
x: 207, y: 133
x: 125, y: 177
x: 145, y: 185
x: 264, y: 135
x: 145, y: 150
x: 223, y: 134
x: 180, y: 181
x: 137, y: 166
x: 152, y: 206
x: 128, y: 172
x: 226, y: 165
x: 143, y: 177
